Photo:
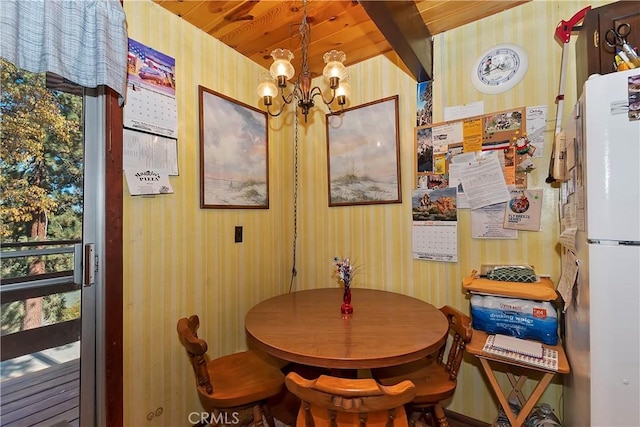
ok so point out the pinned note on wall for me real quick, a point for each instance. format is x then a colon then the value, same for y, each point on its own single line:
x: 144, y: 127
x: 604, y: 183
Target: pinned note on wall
x: 568, y: 277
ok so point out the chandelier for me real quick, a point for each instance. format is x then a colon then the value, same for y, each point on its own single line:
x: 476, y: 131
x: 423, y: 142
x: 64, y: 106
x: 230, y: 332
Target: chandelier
x: 275, y: 82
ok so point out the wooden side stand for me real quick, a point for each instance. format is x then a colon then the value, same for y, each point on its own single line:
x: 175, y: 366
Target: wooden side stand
x: 488, y: 360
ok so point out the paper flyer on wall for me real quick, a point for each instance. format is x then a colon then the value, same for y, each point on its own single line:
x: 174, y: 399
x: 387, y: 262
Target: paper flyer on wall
x: 568, y: 238
x: 146, y: 181
x: 455, y: 181
x: 536, y: 119
x: 435, y: 224
x: 568, y: 277
x: 486, y: 223
x: 143, y: 150
x: 458, y: 112
x: 523, y: 210
x: 483, y: 182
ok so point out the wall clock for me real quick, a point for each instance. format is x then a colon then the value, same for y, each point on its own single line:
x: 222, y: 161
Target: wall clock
x: 499, y: 68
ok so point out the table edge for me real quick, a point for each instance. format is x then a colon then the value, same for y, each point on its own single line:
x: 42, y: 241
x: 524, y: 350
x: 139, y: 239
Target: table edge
x: 344, y: 363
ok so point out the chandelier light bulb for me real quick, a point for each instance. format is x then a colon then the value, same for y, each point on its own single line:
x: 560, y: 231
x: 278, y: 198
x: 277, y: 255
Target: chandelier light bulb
x: 335, y: 65
x: 343, y: 92
x: 281, y: 66
x: 266, y: 86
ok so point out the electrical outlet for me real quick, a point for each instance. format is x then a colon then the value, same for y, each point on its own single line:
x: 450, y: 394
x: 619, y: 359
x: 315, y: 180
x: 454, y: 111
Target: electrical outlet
x: 238, y: 234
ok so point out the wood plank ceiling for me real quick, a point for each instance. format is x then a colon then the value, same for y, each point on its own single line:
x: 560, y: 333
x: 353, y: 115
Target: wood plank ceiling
x: 361, y: 29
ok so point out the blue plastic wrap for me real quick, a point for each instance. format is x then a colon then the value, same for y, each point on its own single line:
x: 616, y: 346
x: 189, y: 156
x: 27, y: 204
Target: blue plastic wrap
x: 520, y: 318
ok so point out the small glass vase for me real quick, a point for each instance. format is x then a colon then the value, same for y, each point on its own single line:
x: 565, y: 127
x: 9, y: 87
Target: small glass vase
x: 346, y: 307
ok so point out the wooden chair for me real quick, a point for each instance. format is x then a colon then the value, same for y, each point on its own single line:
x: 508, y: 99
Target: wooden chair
x: 233, y: 384
x: 435, y: 377
x: 336, y: 402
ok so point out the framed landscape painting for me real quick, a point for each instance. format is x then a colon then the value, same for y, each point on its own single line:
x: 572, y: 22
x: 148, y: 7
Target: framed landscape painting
x: 364, y: 155
x: 234, y: 155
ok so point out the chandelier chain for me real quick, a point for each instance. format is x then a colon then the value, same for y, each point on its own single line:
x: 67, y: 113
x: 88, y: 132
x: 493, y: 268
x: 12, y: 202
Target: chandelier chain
x: 294, y: 271
x: 305, y: 33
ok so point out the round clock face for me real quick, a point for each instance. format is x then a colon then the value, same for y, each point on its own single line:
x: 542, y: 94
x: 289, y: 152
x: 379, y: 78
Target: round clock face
x: 499, y: 69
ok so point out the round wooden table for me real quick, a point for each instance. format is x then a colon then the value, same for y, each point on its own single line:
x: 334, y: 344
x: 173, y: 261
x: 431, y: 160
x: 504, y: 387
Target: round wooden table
x: 385, y: 328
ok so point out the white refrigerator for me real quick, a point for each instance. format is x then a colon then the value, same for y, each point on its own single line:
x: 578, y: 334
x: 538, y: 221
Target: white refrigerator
x: 602, y: 324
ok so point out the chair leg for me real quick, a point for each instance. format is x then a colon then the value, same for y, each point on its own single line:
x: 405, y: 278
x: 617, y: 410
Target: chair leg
x: 268, y: 415
x: 429, y: 416
x: 257, y: 416
x: 440, y: 416
x: 413, y: 416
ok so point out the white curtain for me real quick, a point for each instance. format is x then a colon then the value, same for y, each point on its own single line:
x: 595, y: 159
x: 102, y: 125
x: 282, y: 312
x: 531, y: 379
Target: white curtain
x: 84, y: 41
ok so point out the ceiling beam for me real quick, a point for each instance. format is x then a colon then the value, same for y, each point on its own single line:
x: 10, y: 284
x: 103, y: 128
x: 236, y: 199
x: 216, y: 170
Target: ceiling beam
x: 403, y: 27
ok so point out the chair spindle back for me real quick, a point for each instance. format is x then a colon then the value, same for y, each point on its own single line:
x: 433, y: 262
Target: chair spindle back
x: 196, y: 349
x: 460, y: 332
x: 336, y: 401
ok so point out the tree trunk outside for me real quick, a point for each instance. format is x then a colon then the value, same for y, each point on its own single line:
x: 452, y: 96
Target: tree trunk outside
x: 33, y: 306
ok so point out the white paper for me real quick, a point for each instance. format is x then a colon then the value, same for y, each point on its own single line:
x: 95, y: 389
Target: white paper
x: 455, y: 181
x: 484, y: 183
x: 581, y: 220
x: 519, y: 345
x: 536, y: 126
x: 143, y: 150
x: 443, y: 135
x: 143, y: 181
x: 458, y: 112
x: 570, y: 267
x: 569, y: 216
x: 435, y: 240
x: 568, y: 238
x: 150, y: 111
x: 465, y: 157
x: 486, y: 223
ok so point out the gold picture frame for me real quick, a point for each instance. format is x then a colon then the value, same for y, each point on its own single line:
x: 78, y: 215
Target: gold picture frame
x: 363, y: 154
x: 234, y: 153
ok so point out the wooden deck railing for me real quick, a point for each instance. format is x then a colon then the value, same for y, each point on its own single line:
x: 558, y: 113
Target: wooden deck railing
x: 32, y: 286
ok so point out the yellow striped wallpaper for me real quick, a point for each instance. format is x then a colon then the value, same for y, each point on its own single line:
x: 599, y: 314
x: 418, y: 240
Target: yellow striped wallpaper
x: 181, y: 260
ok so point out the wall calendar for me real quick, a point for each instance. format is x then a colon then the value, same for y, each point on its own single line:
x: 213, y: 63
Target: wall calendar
x: 151, y: 102
x: 435, y: 224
